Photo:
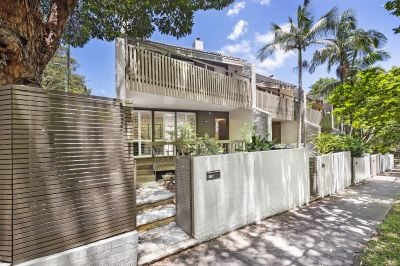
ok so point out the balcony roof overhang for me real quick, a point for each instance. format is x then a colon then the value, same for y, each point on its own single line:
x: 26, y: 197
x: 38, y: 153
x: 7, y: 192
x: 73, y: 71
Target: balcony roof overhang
x: 152, y: 101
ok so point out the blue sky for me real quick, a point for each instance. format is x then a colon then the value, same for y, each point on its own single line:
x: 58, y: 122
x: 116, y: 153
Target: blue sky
x: 240, y: 30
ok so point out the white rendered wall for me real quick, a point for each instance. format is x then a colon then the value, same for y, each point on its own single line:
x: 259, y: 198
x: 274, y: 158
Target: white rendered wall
x: 374, y: 162
x: 252, y: 186
x: 238, y: 120
x: 361, y: 168
x: 288, y: 132
x: 333, y: 173
x: 389, y: 161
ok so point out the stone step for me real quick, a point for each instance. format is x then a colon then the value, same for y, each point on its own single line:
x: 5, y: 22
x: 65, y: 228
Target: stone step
x: 152, y: 193
x: 144, y: 172
x: 145, y: 178
x: 155, y: 217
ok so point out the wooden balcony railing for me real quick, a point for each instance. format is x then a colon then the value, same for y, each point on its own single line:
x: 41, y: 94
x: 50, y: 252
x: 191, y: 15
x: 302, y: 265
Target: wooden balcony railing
x: 155, y: 73
x: 314, y: 116
x: 280, y: 108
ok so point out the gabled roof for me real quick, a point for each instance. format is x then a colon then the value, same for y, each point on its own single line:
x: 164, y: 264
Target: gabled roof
x: 191, y: 53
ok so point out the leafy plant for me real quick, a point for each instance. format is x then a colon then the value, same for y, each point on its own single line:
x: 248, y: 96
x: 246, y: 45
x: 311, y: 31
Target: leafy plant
x: 356, y: 146
x: 188, y: 144
x: 208, y: 146
x: 186, y: 141
x: 328, y: 143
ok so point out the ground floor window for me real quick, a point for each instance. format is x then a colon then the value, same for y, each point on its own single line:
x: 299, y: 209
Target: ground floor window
x: 154, y: 132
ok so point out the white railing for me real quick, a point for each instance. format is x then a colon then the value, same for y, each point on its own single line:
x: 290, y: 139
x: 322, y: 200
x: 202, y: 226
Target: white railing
x: 313, y: 116
x: 154, y: 73
x: 281, y: 108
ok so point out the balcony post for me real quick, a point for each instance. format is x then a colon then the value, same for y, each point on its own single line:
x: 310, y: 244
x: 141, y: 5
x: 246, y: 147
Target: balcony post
x: 120, y: 67
x: 253, y: 87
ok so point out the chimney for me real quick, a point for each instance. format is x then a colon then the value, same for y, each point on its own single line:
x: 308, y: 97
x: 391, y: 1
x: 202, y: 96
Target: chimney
x: 198, y: 44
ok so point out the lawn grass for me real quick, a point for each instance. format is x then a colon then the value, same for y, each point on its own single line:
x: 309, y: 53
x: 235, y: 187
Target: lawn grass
x: 384, y: 249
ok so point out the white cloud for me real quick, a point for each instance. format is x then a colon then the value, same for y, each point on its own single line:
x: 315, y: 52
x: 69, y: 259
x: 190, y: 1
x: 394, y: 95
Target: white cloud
x: 239, y: 29
x: 264, y: 2
x: 242, y: 48
x: 248, y: 49
x: 236, y: 8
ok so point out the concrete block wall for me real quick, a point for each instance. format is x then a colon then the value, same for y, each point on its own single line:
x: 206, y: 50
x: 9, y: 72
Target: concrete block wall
x: 361, y: 168
x: 120, y: 250
x: 252, y: 186
x: 333, y: 173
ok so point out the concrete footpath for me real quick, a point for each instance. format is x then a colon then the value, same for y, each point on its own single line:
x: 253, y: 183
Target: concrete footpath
x: 332, y: 231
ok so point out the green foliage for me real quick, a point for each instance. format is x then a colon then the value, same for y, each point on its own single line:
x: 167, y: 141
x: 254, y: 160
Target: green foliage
x: 371, y: 105
x: 350, y: 48
x: 188, y: 144
x: 186, y: 141
x: 208, y: 146
x: 394, y: 8
x: 253, y: 141
x: 108, y: 19
x: 55, y: 74
x: 259, y: 143
x: 322, y: 87
x: 356, y: 146
x: 329, y: 143
x: 384, y: 249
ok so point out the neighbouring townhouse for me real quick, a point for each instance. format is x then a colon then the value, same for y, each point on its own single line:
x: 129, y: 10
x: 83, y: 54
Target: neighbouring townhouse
x: 171, y: 86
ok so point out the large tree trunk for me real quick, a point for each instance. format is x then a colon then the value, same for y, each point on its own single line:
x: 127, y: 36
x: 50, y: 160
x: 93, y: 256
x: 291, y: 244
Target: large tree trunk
x: 28, y: 40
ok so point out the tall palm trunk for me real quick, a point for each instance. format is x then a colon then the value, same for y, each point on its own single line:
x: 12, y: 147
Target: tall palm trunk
x: 300, y: 120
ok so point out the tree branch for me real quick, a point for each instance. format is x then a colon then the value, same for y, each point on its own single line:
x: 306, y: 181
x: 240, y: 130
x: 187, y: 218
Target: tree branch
x: 60, y: 11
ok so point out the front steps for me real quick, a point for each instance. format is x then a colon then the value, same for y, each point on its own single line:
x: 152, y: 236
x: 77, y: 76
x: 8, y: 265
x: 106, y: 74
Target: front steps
x: 155, y: 207
x: 159, y: 236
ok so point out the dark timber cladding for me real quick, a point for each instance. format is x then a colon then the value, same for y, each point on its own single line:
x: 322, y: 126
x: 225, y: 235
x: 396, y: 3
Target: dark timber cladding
x: 73, y: 180
x: 5, y: 176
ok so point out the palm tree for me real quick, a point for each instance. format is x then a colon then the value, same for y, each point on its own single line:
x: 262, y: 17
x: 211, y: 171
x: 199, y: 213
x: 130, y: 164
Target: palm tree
x: 351, y: 49
x: 299, y: 35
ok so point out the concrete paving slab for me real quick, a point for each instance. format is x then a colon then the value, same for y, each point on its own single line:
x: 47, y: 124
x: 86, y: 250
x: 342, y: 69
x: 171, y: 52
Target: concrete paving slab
x: 332, y: 231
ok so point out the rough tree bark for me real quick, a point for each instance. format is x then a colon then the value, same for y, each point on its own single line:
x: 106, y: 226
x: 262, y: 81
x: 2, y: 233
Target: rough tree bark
x: 28, y: 39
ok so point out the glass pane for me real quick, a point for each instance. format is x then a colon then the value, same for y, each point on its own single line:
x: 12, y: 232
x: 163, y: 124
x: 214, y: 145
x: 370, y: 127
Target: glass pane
x: 135, y: 124
x: 146, y: 127
x: 184, y: 119
x: 164, y: 126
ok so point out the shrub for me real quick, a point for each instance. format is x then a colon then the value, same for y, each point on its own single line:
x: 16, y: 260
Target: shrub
x: 327, y: 143
x: 208, y: 146
x: 356, y: 146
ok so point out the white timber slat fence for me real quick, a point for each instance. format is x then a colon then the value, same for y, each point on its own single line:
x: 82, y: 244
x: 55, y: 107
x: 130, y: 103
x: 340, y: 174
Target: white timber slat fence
x: 313, y: 116
x: 156, y: 73
x: 279, y: 107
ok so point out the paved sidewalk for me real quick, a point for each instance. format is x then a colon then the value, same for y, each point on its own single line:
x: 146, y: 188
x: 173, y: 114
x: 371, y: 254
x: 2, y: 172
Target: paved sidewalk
x: 327, y: 232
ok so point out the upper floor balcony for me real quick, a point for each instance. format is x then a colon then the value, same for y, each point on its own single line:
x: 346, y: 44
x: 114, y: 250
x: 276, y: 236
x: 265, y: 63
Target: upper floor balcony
x: 158, y: 73
x: 280, y: 107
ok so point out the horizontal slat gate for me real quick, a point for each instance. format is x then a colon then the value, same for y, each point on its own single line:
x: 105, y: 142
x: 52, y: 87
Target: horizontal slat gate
x: 73, y: 179
x: 5, y: 176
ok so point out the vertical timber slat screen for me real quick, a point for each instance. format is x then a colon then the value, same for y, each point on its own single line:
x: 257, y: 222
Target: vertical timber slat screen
x: 72, y: 178
x: 5, y: 176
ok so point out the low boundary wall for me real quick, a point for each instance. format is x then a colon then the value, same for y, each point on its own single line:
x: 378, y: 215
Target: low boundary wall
x: 361, y: 168
x: 233, y: 190
x: 333, y: 173
x: 374, y: 162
